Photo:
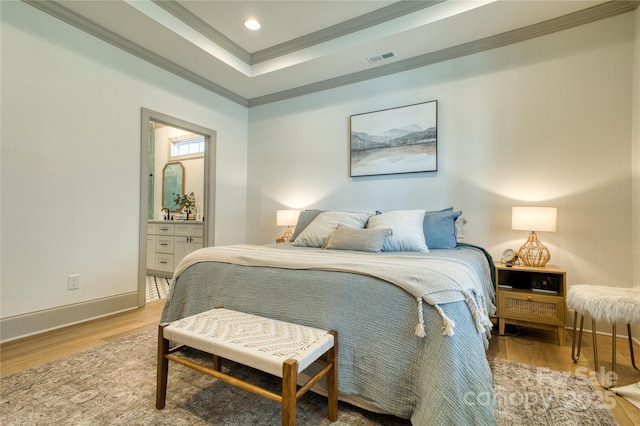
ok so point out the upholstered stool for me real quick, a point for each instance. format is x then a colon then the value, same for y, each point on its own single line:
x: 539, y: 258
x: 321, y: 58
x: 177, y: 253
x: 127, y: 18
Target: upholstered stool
x: 611, y: 304
x: 275, y: 347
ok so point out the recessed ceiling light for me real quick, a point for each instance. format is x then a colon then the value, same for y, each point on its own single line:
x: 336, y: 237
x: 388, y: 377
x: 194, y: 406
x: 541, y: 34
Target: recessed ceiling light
x: 252, y: 24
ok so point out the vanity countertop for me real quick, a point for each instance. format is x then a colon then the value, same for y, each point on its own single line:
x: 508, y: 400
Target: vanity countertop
x: 174, y: 221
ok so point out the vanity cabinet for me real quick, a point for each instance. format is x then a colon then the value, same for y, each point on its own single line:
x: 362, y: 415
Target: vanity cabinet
x: 151, y: 246
x: 187, y: 238
x: 168, y: 243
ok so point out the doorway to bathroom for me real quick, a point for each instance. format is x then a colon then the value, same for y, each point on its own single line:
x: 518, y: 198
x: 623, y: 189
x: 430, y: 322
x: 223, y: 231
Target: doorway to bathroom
x: 177, y: 186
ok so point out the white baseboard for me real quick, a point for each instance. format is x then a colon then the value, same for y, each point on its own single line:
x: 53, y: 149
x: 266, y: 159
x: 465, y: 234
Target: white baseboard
x: 635, y: 339
x: 18, y: 326
x: 603, y: 327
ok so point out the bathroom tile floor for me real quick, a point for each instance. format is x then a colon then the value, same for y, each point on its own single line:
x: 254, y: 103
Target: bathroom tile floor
x: 157, y: 287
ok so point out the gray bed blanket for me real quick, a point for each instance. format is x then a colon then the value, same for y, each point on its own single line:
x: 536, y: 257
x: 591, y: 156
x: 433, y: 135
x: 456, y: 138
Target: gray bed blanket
x: 383, y: 365
x: 442, y: 279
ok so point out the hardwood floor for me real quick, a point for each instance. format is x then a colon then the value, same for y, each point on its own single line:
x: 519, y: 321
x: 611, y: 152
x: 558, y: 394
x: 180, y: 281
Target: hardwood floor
x: 22, y: 354
x: 527, y: 346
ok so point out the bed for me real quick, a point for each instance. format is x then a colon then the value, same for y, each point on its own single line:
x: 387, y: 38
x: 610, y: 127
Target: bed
x: 413, y: 320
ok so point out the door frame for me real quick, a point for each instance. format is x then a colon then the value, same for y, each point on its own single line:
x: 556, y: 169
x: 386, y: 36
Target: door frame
x: 209, y: 185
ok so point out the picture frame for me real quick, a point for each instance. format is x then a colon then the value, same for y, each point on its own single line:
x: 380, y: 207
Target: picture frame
x: 395, y: 140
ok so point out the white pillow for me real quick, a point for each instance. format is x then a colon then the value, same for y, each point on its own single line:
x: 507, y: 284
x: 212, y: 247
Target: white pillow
x: 407, y: 230
x: 459, y: 228
x: 321, y: 228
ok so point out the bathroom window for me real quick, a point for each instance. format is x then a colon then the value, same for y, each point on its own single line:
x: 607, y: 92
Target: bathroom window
x: 190, y: 146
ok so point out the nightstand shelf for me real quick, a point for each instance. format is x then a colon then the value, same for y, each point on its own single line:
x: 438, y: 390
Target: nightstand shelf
x: 531, y: 296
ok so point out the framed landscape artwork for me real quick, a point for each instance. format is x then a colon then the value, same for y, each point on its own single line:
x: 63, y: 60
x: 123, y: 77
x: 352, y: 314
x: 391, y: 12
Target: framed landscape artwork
x: 396, y: 140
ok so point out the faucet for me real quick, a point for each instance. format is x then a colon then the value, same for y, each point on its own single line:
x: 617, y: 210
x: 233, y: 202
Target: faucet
x: 167, y: 216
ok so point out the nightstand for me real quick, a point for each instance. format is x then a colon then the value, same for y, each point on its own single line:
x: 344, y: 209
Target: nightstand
x: 531, y: 296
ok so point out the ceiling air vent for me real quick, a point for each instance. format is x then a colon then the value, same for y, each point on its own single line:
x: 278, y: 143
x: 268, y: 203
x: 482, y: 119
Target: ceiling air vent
x: 381, y: 57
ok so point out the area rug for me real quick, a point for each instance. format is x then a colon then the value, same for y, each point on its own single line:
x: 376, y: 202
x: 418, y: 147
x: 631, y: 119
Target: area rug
x: 114, y: 384
x: 528, y: 395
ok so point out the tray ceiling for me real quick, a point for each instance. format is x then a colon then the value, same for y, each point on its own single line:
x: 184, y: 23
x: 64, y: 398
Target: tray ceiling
x: 307, y: 46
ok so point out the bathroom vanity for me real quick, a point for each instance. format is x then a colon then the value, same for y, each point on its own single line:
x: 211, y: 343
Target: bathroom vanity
x: 168, y: 242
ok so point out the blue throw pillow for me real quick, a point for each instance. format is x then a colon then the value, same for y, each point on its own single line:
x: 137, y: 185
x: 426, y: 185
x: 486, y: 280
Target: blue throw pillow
x: 439, y: 229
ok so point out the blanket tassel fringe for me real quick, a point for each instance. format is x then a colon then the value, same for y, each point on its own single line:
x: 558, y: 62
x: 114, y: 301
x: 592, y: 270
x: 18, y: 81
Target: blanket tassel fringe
x: 420, y: 332
x: 482, y: 321
x: 447, y: 329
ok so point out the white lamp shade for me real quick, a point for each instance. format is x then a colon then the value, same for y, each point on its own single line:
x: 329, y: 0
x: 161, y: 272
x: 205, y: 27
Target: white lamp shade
x: 287, y: 217
x: 538, y: 219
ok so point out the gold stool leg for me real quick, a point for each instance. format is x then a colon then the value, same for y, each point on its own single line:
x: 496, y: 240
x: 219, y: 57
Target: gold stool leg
x: 596, y: 361
x: 595, y: 346
x: 576, y: 356
x: 614, y: 377
x: 633, y: 357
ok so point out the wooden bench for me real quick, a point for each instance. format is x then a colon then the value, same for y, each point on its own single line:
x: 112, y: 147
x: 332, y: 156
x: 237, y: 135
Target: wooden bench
x: 275, y: 347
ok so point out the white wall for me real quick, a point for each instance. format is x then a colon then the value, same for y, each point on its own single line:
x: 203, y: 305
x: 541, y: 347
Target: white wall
x: 635, y: 160
x: 635, y: 156
x: 542, y: 122
x: 71, y: 111
x: 548, y: 121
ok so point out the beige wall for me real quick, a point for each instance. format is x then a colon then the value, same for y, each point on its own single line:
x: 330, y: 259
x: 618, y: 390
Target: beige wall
x: 71, y: 111
x: 543, y: 122
x: 635, y: 159
x: 635, y: 156
x: 548, y: 121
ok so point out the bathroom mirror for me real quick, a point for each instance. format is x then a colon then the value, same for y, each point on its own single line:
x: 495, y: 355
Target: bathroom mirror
x: 172, y: 184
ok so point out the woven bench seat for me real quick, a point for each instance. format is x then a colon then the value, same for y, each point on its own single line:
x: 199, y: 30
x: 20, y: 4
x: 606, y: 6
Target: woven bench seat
x: 276, y: 347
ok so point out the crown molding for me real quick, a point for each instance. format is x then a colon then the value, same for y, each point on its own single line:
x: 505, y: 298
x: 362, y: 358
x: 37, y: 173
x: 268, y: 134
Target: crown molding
x: 350, y: 26
x: 367, y: 20
x: 186, y: 16
x: 595, y: 13
x: 57, y: 10
x: 601, y: 11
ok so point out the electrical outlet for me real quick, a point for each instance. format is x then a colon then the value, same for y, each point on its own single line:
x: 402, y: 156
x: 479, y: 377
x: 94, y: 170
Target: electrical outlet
x: 73, y: 282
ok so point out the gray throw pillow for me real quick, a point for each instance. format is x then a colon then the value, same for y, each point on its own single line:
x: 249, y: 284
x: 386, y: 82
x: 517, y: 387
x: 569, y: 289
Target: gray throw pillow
x: 306, y: 217
x: 358, y: 239
x: 320, y: 229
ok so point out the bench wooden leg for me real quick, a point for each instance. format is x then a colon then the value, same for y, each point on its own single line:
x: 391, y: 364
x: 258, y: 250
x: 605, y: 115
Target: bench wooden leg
x: 332, y: 379
x: 163, y: 368
x: 217, y: 363
x: 289, y: 390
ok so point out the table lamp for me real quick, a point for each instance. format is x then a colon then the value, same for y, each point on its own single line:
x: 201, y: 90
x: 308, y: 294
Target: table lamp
x: 286, y: 218
x: 534, y: 219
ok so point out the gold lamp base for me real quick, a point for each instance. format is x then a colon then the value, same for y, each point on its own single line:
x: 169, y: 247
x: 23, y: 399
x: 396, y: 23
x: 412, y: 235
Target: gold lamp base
x: 533, y: 252
x: 286, y: 236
